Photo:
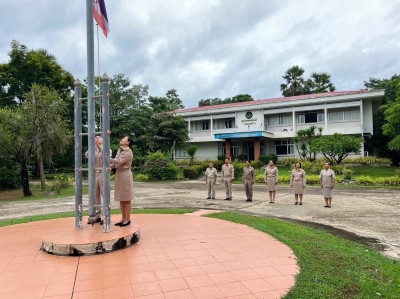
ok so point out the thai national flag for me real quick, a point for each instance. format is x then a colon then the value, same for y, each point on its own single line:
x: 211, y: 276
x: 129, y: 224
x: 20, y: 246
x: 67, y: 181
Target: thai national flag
x: 100, y: 15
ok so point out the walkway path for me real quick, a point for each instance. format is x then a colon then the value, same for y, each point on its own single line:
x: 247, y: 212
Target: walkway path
x: 372, y: 213
x: 178, y: 256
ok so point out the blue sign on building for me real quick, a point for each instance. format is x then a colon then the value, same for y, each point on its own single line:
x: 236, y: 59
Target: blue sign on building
x: 238, y: 135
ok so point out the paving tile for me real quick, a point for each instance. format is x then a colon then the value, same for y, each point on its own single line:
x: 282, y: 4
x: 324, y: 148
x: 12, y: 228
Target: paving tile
x: 173, y: 284
x: 167, y: 274
x: 213, y: 268
x: 153, y: 296
x: 147, y: 288
x: 267, y: 272
x: 233, y: 289
x: 143, y: 277
x: 258, y: 285
x: 191, y: 271
x: 222, y: 277
x: 208, y: 292
x: 59, y: 289
x: 199, y: 281
x: 120, y: 292
x: 94, y: 294
x: 33, y: 292
x: 245, y: 274
x: 271, y: 294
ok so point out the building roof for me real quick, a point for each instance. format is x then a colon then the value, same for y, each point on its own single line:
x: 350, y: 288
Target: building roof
x: 281, y: 99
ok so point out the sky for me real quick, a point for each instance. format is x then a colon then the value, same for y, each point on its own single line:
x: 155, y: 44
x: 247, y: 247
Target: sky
x: 216, y: 48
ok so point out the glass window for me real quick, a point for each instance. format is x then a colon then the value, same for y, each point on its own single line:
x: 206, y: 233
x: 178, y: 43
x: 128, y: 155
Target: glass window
x: 221, y: 148
x: 347, y: 115
x: 180, y: 153
x: 206, y: 125
x: 235, y: 148
x: 321, y: 117
x: 355, y: 114
x: 273, y: 120
x: 229, y: 123
x: 284, y: 147
x: 300, y: 119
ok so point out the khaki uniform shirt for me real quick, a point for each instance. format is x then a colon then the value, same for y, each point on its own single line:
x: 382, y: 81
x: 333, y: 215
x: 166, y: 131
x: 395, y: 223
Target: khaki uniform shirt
x: 123, y: 159
x: 211, y: 173
x: 248, y: 174
x: 227, y: 171
x: 327, y: 177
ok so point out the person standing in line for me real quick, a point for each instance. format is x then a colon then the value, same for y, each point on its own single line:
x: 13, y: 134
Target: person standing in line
x: 271, y: 178
x: 98, y: 154
x: 227, y: 174
x: 123, y: 190
x: 211, y: 179
x: 248, y: 178
x: 327, y: 179
x: 298, y: 183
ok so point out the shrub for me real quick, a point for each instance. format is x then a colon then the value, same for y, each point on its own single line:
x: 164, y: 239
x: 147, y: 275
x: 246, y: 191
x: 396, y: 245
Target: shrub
x: 347, y: 174
x: 260, y: 178
x: 367, y: 160
x: 62, y: 182
x: 191, y: 150
x: 397, y: 172
x: 9, y: 177
x: 288, y: 161
x: 221, y: 157
x: 218, y: 164
x: 238, y: 170
x: 257, y: 164
x: 159, y: 166
x: 266, y: 158
x: 142, y: 177
x: 365, y: 180
x: 193, y: 172
x: 385, y: 181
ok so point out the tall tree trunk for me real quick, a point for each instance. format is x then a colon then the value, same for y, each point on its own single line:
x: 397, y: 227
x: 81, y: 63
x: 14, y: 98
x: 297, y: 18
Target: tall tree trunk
x: 36, y: 171
x: 41, y: 171
x: 25, y: 178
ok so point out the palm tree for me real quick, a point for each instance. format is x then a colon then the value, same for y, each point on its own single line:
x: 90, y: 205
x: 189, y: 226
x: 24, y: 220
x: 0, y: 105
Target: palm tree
x: 320, y: 82
x: 191, y: 150
x: 295, y: 83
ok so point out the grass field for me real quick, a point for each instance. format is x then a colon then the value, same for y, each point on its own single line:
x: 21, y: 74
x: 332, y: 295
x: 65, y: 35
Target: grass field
x: 330, y: 266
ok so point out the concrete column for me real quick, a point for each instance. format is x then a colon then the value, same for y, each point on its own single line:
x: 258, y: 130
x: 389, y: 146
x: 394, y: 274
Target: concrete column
x: 326, y: 117
x: 257, y: 148
x: 212, y: 126
x: 294, y: 120
x: 228, y: 148
x: 78, y: 153
x: 189, y: 127
x: 362, y: 118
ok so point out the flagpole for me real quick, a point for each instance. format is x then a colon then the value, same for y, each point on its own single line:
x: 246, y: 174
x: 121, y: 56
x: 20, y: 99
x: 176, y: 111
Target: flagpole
x: 91, y: 110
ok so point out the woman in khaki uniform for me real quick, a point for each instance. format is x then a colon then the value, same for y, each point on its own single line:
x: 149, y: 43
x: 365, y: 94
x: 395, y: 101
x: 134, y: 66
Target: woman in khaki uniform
x: 298, y: 183
x: 327, y: 179
x: 123, y: 190
x: 271, y: 179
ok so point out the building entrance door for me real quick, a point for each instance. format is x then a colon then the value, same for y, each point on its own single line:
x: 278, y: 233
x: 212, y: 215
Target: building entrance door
x: 248, y: 150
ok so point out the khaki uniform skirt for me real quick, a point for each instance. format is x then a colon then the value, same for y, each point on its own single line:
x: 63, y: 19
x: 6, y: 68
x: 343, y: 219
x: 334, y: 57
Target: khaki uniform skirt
x: 271, y: 178
x: 123, y: 190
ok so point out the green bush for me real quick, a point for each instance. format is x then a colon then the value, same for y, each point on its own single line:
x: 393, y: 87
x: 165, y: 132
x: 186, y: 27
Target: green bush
x: 221, y: 157
x: 159, y: 166
x: 365, y: 180
x: 142, y: 177
x: 238, y: 170
x: 257, y: 164
x: 193, y: 172
x: 386, y: 181
x: 62, y: 182
x: 266, y: 158
x: 367, y: 160
x: 347, y: 174
x: 260, y: 178
x: 397, y: 172
x: 218, y: 164
x: 9, y: 177
x: 288, y: 161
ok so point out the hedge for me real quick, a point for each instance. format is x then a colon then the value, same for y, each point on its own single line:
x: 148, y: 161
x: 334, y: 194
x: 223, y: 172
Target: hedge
x: 386, y: 181
x: 266, y: 158
x: 193, y: 172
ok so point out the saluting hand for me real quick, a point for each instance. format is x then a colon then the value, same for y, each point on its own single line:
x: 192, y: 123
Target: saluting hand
x: 109, y: 169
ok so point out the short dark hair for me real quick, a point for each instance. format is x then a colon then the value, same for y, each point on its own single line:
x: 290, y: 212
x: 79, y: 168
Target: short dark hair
x: 296, y: 164
x: 248, y: 161
x: 271, y: 161
x: 327, y: 163
x: 130, y: 140
x: 211, y: 162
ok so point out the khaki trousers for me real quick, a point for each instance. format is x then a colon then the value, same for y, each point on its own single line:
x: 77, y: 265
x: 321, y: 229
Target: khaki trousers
x: 248, y: 187
x: 99, y: 193
x: 228, y: 187
x: 210, y: 188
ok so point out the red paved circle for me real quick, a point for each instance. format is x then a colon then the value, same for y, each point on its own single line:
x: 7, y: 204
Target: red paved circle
x: 178, y: 256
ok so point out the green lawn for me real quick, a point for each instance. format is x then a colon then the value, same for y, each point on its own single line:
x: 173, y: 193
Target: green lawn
x: 72, y: 214
x: 374, y: 172
x: 330, y: 266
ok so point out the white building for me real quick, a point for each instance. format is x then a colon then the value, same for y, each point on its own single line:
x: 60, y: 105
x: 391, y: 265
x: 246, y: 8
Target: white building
x: 268, y: 126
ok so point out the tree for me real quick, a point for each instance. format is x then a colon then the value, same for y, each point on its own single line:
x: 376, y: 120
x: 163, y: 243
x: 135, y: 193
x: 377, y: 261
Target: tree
x: 295, y: 84
x: 320, y: 83
x: 392, y: 127
x: 337, y: 147
x: 164, y: 131
x: 378, y: 143
x: 304, y: 142
x: 35, y: 129
x: 27, y: 67
x: 217, y: 101
x: 191, y: 150
x: 170, y: 102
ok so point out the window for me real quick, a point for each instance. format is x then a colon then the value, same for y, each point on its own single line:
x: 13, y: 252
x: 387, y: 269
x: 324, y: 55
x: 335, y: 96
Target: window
x: 262, y: 148
x: 280, y: 119
x: 310, y: 117
x: 206, y: 125
x: 341, y: 115
x: 180, y: 153
x: 221, y: 148
x: 229, y: 123
x: 235, y: 148
x: 284, y: 147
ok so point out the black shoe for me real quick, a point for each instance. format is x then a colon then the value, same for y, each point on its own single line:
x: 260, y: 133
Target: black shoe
x: 119, y: 223
x: 125, y: 224
x: 249, y: 199
x: 208, y: 197
x: 301, y: 203
x: 101, y: 222
x: 226, y: 198
x: 212, y: 197
x: 229, y: 198
x: 326, y: 206
x: 296, y: 203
